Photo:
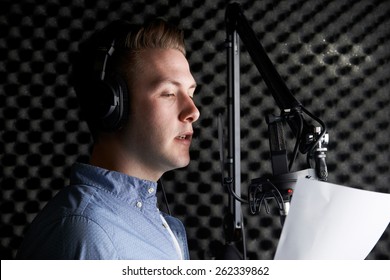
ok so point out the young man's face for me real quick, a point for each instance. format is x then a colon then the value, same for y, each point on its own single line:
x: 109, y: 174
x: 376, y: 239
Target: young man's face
x: 159, y: 132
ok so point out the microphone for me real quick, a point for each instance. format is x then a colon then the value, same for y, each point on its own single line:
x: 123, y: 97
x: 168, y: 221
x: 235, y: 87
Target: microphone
x: 277, y: 145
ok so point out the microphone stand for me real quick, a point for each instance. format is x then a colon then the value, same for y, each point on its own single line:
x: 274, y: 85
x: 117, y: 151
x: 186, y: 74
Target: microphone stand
x: 233, y: 224
x: 309, y: 139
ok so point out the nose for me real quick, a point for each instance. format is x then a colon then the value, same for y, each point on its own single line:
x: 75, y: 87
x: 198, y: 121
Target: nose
x: 189, y: 112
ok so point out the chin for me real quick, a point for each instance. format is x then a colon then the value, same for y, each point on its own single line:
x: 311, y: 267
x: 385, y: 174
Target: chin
x: 175, y: 161
x: 182, y: 163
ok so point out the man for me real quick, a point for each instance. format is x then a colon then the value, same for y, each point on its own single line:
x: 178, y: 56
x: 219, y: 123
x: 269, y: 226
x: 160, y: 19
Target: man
x: 136, y: 92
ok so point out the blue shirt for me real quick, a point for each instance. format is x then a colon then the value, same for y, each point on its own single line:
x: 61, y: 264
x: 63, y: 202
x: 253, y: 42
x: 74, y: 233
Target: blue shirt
x: 104, y: 215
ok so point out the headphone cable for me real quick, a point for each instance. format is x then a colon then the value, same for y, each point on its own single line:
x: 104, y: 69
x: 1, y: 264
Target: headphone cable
x: 164, y: 196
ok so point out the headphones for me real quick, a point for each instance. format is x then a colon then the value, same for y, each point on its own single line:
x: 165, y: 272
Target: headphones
x: 110, y: 109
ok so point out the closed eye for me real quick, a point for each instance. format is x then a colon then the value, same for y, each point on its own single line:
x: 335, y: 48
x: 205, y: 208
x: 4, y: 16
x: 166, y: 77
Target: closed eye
x: 168, y: 95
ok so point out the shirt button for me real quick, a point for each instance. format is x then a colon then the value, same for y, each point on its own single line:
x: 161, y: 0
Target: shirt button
x: 139, y: 204
x: 150, y: 190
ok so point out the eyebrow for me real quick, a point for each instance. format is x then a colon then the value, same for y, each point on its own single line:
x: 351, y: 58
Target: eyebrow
x: 172, y: 82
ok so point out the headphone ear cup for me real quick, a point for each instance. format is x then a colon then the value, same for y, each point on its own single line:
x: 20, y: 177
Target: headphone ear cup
x: 124, y: 101
x: 111, y: 103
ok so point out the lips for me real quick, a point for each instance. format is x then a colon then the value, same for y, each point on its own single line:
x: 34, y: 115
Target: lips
x: 185, y: 137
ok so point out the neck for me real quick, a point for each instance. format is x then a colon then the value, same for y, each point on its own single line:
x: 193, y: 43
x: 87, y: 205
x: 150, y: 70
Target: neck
x: 107, y: 153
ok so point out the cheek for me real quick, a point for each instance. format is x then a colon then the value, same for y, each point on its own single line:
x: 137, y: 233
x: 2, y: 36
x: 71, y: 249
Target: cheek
x: 154, y: 117
x: 160, y: 109
x: 141, y: 110
x: 160, y: 119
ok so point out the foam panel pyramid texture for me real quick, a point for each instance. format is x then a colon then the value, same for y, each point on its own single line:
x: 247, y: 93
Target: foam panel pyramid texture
x: 333, y: 55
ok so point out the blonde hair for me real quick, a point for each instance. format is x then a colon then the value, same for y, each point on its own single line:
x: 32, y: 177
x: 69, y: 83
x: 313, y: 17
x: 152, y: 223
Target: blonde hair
x: 157, y: 34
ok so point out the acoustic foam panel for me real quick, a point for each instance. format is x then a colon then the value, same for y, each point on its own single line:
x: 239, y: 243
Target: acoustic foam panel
x: 333, y: 55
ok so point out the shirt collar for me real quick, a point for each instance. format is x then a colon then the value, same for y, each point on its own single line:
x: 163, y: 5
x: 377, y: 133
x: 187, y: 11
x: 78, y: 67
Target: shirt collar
x: 130, y: 189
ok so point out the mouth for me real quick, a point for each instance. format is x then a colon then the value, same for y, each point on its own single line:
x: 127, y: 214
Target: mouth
x: 185, y: 137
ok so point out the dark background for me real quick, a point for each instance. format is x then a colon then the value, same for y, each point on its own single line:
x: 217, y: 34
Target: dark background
x: 333, y: 55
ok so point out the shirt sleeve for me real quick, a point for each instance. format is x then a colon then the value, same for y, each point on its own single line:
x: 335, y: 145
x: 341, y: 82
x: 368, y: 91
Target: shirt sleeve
x: 71, y: 238
x: 83, y: 238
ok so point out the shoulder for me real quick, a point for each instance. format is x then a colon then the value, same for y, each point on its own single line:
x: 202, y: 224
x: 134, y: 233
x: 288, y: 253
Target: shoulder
x: 86, y: 238
x: 70, y: 237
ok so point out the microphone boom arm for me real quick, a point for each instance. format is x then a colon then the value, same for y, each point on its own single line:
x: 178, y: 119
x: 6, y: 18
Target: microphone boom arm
x: 237, y: 22
x: 238, y: 27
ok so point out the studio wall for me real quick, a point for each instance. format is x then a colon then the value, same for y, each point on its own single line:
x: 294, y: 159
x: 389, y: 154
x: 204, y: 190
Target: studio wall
x: 332, y: 54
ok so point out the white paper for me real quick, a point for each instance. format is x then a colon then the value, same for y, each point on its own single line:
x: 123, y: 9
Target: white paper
x: 332, y: 222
